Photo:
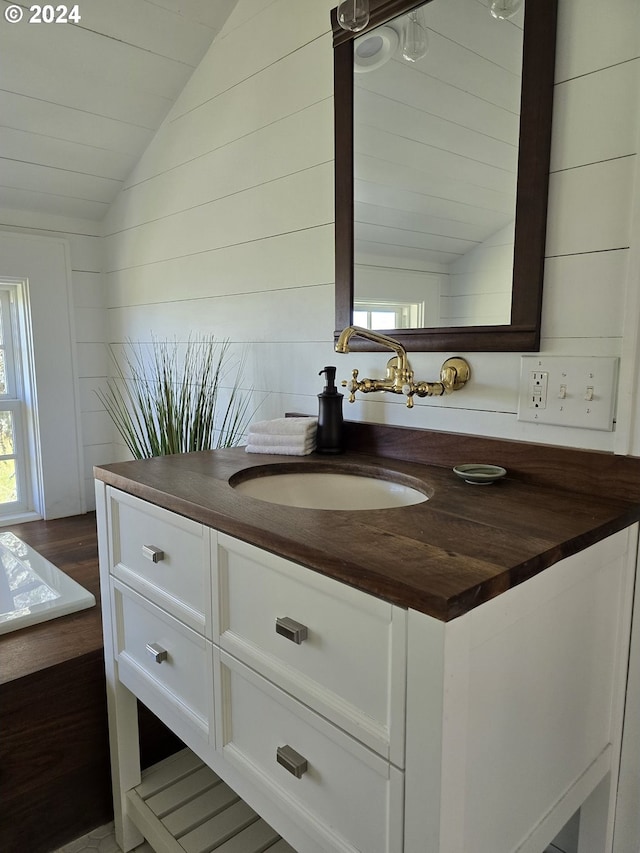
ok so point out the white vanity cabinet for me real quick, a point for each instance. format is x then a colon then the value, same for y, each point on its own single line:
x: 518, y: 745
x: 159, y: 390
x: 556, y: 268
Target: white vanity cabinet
x: 288, y: 685
x: 349, y: 724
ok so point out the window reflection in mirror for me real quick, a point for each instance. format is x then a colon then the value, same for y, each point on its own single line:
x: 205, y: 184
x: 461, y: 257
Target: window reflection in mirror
x: 435, y: 167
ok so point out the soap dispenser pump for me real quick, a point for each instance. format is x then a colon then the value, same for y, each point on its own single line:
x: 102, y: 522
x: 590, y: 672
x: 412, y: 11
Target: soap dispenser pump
x: 329, y: 434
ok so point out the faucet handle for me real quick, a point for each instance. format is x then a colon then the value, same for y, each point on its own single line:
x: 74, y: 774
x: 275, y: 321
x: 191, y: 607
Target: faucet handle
x: 353, y: 386
x: 454, y: 374
x: 409, y: 391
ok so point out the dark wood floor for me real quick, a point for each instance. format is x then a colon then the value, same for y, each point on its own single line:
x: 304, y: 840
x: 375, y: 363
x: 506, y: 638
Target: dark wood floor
x: 54, y: 754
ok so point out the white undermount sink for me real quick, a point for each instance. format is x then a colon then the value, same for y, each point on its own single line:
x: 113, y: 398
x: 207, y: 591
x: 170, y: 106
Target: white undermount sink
x: 337, y: 491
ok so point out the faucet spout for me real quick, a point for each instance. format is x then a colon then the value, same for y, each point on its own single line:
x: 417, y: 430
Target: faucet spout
x: 454, y: 373
x: 384, y: 340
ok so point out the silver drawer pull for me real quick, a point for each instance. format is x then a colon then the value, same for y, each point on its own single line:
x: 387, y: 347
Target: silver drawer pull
x: 152, y: 553
x: 292, y: 761
x: 292, y: 630
x: 157, y: 652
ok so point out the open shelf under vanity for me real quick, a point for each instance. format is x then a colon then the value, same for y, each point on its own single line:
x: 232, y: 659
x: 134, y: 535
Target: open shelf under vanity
x: 182, y: 806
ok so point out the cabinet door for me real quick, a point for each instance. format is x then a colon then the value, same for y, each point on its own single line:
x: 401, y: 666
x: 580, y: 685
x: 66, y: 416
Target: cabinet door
x: 164, y: 663
x: 346, y: 798
x: 163, y: 556
x: 337, y: 649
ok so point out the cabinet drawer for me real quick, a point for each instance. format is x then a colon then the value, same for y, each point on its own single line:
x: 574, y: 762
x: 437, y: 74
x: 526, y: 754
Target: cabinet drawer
x: 170, y: 661
x: 346, y: 797
x: 350, y: 663
x: 163, y: 556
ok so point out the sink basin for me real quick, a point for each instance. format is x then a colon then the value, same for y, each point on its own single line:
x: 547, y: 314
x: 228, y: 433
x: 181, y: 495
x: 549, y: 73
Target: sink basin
x: 328, y: 490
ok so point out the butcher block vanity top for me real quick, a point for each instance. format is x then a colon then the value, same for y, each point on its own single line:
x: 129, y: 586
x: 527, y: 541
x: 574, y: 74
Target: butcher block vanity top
x: 463, y: 546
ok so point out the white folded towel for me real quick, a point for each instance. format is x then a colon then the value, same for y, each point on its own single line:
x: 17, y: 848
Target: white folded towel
x: 285, y: 426
x: 298, y: 449
x: 283, y: 436
x: 262, y: 438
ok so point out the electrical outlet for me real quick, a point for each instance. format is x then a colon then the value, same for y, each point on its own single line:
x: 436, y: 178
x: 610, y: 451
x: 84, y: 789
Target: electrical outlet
x: 538, y: 384
x: 571, y: 391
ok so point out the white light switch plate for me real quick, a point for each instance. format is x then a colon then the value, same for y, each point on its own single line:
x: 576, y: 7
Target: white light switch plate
x: 575, y: 391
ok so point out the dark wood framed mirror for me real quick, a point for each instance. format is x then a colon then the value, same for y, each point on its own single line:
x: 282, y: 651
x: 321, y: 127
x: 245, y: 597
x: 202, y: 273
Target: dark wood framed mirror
x: 520, y: 331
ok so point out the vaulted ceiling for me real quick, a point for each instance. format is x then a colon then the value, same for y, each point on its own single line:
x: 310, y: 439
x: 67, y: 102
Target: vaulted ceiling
x: 80, y: 101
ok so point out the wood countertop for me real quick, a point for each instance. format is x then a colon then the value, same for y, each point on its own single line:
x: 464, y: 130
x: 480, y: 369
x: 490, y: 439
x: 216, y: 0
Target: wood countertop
x: 462, y: 547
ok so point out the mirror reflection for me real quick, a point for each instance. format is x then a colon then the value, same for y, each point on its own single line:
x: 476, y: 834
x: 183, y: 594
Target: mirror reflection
x: 436, y: 108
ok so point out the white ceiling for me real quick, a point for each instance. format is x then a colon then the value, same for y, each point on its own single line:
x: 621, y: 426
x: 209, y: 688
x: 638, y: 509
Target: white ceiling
x: 79, y: 102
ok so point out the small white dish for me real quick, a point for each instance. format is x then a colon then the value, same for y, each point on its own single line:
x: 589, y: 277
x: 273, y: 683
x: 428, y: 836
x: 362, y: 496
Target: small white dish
x: 478, y: 474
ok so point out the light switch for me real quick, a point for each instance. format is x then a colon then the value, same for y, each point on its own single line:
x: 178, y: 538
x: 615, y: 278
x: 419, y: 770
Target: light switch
x: 576, y: 391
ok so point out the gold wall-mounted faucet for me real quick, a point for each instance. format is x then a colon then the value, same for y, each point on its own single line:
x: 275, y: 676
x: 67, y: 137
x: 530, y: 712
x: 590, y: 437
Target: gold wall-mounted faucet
x: 454, y: 373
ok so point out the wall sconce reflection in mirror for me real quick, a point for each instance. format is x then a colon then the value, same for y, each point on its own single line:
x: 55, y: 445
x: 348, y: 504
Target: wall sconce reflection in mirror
x: 505, y: 9
x: 415, y: 42
x: 353, y: 15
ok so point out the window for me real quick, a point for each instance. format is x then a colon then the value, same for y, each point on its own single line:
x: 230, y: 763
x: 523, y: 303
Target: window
x: 14, y: 473
x: 387, y: 315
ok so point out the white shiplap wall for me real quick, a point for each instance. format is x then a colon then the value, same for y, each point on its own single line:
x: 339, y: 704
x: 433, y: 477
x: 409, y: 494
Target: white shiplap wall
x: 226, y: 224
x: 85, y: 251
x: 479, y: 283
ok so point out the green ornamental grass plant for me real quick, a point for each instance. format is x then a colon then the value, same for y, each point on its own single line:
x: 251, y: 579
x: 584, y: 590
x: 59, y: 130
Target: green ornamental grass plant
x: 162, y: 403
